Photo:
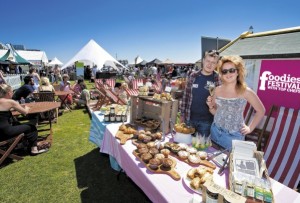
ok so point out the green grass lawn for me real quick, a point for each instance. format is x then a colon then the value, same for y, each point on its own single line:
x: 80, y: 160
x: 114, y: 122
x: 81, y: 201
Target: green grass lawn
x: 72, y: 171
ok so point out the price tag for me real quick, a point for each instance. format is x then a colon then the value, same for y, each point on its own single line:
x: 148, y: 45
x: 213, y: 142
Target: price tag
x: 168, y: 89
x: 140, y: 84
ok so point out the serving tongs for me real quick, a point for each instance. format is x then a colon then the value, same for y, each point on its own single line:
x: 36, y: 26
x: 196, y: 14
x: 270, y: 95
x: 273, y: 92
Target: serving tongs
x: 225, y: 164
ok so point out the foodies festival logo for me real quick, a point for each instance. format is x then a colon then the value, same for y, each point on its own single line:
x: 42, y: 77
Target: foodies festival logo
x: 284, y: 82
x: 279, y: 83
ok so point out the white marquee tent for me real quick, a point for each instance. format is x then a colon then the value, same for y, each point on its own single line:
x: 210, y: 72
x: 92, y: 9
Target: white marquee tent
x: 96, y: 54
x: 54, y: 62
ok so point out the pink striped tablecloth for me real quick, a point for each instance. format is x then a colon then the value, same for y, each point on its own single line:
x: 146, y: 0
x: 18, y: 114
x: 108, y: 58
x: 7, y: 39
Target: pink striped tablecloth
x: 161, y: 187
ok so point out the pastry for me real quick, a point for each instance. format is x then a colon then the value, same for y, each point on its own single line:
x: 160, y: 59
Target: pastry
x: 191, y: 173
x: 167, y: 163
x: 158, y: 136
x: 154, y: 163
x: 153, y: 151
x: 175, y: 148
x: 122, y: 127
x: 196, y: 183
x: 160, y: 156
x: 202, y: 155
x: 195, y: 159
x: 191, y: 150
x: 150, y: 144
x: 146, y: 157
x: 148, y: 133
x: 205, y: 177
x: 147, y: 139
x: 143, y: 150
x: 183, y: 146
x: 153, y: 136
x: 165, y: 152
x: 141, y: 137
x: 142, y: 131
x: 141, y: 145
x: 183, y: 155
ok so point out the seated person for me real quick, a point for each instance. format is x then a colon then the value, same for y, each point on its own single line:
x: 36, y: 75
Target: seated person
x: 65, y: 85
x: 117, y: 88
x: 77, y: 88
x: 45, y: 85
x: 84, y: 96
x: 7, y: 130
x: 25, y: 91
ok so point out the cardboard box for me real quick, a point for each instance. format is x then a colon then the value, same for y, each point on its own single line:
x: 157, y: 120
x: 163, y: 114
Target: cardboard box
x: 259, y: 156
x: 163, y: 111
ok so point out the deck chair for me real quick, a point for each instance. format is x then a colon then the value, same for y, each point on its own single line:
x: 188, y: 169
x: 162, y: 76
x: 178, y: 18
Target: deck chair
x: 282, y: 153
x: 259, y: 136
x: 115, y: 99
x: 7, y: 146
x: 134, y: 91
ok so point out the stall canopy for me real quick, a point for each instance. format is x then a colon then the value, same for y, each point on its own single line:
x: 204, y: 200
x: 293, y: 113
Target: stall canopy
x: 12, y: 55
x: 154, y: 62
x: 94, y: 53
x: 54, y: 62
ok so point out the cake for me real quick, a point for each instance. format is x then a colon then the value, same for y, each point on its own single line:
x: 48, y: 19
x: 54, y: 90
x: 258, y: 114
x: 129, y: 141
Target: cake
x: 167, y: 163
x: 202, y: 155
x: 154, y: 163
x: 146, y: 157
x: 195, y: 159
x: 165, y: 152
x: 183, y: 155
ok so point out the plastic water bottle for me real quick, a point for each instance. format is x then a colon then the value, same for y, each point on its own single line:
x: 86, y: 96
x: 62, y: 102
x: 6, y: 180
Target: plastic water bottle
x: 22, y: 100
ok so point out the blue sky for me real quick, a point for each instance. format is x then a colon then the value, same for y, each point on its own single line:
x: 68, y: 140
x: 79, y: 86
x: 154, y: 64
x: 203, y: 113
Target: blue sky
x: 149, y: 28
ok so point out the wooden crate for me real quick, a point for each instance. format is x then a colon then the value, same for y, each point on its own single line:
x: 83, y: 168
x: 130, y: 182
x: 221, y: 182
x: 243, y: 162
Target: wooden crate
x: 144, y: 106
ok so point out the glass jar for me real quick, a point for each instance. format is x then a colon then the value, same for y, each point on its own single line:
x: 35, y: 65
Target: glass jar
x: 112, y: 117
x: 106, y: 118
x: 211, y: 197
x: 119, y: 118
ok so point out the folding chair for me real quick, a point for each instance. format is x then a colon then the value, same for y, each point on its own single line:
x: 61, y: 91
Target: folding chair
x: 114, y: 98
x: 259, y: 136
x: 282, y: 153
x: 7, y: 146
x: 136, y: 83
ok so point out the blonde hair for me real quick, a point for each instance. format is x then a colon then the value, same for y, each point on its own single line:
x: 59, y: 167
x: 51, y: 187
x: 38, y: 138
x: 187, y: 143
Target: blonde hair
x: 45, y: 81
x: 124, y: 85
x: 241, y: 70
x: 4, y: 89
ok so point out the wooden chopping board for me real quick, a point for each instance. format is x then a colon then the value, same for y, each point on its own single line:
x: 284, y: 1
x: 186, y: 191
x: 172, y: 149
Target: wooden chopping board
x: 161, y: 170
x: 123, y: 137
x: 202, y: 162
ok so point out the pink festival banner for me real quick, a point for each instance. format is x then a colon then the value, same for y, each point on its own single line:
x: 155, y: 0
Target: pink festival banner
x: 279, y: 83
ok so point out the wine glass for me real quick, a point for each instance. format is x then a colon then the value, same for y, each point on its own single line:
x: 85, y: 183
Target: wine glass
x: 211, y: 89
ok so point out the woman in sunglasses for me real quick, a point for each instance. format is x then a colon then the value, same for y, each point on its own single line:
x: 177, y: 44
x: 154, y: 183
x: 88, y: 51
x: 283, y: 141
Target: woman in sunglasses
x: 229, y: 101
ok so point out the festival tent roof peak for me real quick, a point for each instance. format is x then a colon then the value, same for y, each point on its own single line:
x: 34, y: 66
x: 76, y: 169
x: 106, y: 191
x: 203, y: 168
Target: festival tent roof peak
x: 95, y: 53
x: 55, y: 61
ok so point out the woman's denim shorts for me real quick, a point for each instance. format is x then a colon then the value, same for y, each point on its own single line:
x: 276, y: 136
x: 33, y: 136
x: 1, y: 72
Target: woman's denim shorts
x: 223, y: 137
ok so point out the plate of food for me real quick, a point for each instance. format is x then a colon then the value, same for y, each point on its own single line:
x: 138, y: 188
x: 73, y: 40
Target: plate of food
x: 196, y: 177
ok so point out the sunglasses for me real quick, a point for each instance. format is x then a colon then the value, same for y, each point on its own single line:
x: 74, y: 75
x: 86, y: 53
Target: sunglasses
x: 212, y: 52
x: 230, y: 70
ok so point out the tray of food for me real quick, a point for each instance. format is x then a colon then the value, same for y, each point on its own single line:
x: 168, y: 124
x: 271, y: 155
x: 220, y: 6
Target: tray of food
x: 125, y: 132
x: 156, y: 160
x: 189, y: 155
x: 146, y: 136
x: 196, y: 177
